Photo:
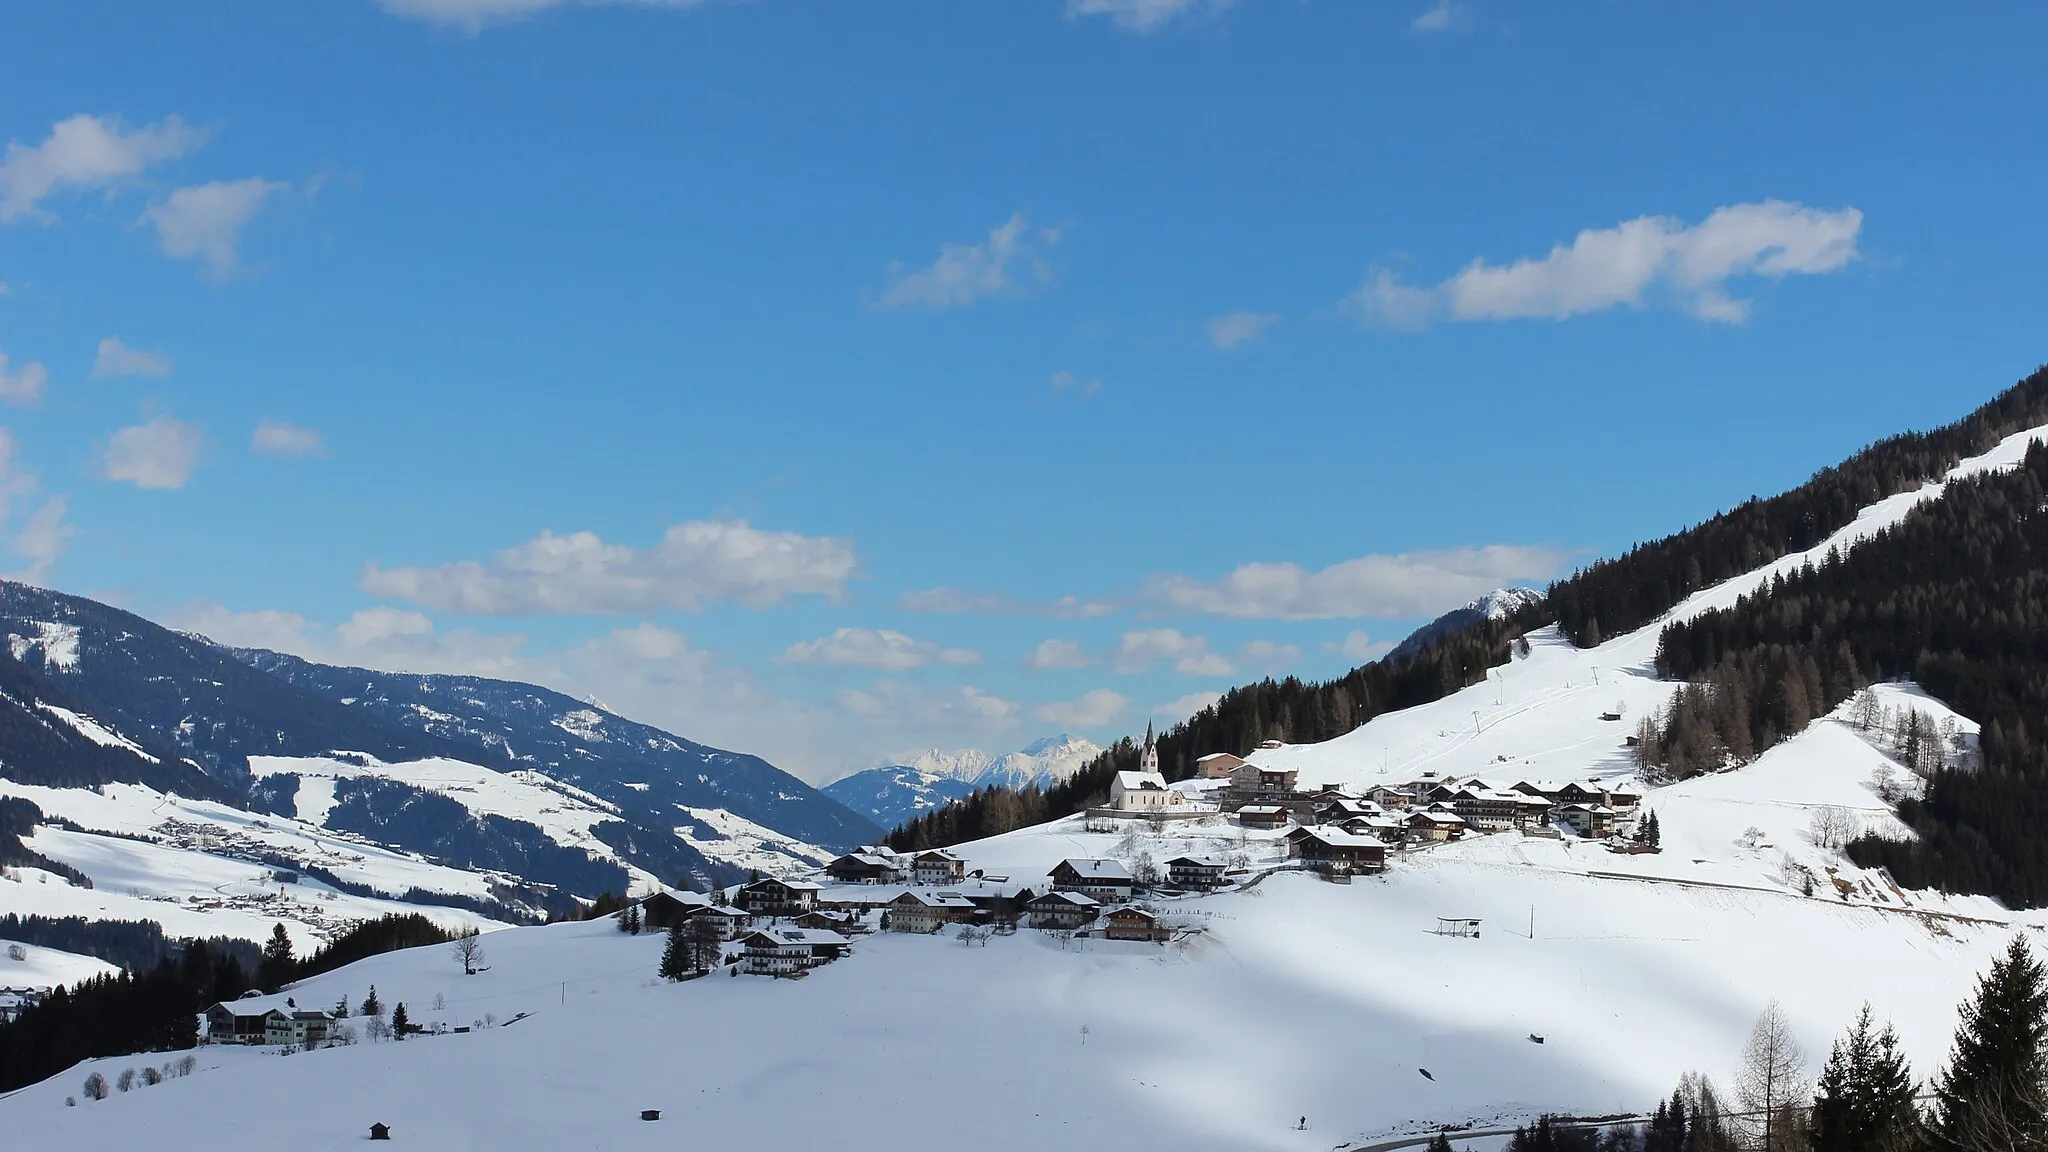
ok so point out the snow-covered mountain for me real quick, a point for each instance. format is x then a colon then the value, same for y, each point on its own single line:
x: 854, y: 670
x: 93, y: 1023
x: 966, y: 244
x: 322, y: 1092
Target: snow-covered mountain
x: 502, y: 798
x: 1498, y: 604
x: 893, y: 793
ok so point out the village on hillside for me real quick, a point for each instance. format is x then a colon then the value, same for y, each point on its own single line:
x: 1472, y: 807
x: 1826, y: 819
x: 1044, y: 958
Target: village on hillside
x: 1229, y: 826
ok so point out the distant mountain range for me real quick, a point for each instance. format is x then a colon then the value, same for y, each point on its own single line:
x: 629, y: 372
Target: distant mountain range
x: 94, y: 695
x: 893, y: 793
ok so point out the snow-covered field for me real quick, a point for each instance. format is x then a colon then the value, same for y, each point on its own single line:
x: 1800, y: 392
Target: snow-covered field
x: 1295, y: 998
x: 46, y: 967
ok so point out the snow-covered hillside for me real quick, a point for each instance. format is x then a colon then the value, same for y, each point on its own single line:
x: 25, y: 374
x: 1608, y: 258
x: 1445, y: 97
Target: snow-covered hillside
x: 1286, y: 999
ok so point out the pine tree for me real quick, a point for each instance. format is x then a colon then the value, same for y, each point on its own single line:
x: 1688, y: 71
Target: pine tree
x: 675, y: 962
x: 275, y: 969
x: 1991, y: 1095
x: 371, y: 1005
x: 1864, y: 1101
x: 1440, y: 1143
x: 341, y: 1009
x: 399, y: 1021
x: 629, y: 920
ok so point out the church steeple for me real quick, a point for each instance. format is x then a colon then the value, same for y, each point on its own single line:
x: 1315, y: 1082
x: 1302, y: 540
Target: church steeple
x: 1148, y: 761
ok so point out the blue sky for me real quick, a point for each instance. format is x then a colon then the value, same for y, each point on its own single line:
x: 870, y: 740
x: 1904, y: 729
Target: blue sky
x: 830, y: 380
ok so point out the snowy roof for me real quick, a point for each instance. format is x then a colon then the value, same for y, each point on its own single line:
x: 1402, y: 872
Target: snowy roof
x: 799, y: 936
x: 1201, y: 861
x: 1139, y: 781
x: 795, y: 885
x: 1438, y: 815
x: 1077, y: 899
x: 1096, y: 869
x: 1261, y: 809
x: 1338, y: 838
x: 934, y: 900
x: 941, y: 854
x: 1217, y: 756
x: 259, y: 1005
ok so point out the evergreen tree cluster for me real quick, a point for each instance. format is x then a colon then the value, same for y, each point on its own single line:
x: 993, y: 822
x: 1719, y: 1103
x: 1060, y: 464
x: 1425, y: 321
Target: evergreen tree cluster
x: 1294, y: 710
x: 1955, y: 596
x: 155, y: 1008
x: 152, y: 1011
x: 1619, y: 595
x: 137, y: 945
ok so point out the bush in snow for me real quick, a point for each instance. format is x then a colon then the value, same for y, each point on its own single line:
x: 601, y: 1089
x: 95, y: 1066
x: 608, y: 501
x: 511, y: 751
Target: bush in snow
x: 152, y: 1076
x: 95, y: 1087
x: 126, y: 1080
x: 16, y: 952
x: 186, y: 1064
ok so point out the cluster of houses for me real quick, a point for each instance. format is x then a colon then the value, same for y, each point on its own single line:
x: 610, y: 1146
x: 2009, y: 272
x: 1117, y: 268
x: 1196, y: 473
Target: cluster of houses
x: 1430, y: 808
x: 15, y: 1001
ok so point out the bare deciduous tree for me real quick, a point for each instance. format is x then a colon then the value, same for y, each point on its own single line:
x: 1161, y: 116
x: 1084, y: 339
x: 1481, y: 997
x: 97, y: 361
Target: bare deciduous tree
x: 1833, y: 826
x: 95, y: 1087
x: 152, y: 1076
x: 469, y: 951
x: 1772, y: 1076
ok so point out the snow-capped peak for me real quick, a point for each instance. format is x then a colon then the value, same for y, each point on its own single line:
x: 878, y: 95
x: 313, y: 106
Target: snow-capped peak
x: 1501, y: 603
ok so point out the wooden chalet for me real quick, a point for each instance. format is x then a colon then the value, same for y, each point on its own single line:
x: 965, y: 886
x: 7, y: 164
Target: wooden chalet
x: 1217, y: 765
x: 1197, y: 872
x: 867, y: 868
x: 1435, y: 824
x: 1331, y: 849
x: 1057, y: 910
x: 927, y: 911
x: 1105, y: 880
x: 1262, y: 816
x: 938, y: 866
x: 1134, y: 924
x: 772, y: 897
x: 789, y: 951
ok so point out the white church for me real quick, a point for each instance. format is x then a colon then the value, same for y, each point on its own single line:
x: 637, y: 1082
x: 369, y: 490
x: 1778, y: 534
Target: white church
x: 1144, y: 790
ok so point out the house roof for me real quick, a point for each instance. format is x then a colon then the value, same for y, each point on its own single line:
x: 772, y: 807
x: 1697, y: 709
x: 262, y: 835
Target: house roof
x: 1090, y: 869
x: 1076, y: 899
x: 1338, y: 838
x: 788, y: 936
x: 1140, y: 781
x: 934, y: 900
x: 1261, y: 809
x: 793, y: 885
x: 942, y: 855
x: 1131, y: 914
x: 1198, y: 861
x: 1437, y: 815
x: 251, y: 1006
x: 1218, y: 756
x: 868, y: 859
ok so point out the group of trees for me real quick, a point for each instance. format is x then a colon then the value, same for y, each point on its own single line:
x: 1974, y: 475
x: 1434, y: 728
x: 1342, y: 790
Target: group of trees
x: 137, y: 945
x: 1629, y: 591
x: 693, y: 948
x: 155, y: 1008
x: 1990, y: 1096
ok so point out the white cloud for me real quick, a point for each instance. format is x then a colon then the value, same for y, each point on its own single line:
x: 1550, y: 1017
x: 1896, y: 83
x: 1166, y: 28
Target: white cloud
x: 1139, y: 650
x: 874, y: 648
x: 951, y: 709
x: 23, y: 385
x: 1358, y: 647
x: 118, y: 359
x: 85, y: 152
x: 1144, y: 15
x: 1229, y: 331
x: 1000, y: 604
x: 1175, y: 711
x: 1065, y: 383
x: 1268, y: 655
x: 279, y: 438
x: 1443, y: 16
x: 42, y: 536
x: 1094, y: 709
x: 474, y: 15
x: 1057, y: 655
x: 1650, y: 261
x: 964, y: 273
x: 693, y: 565
x: 387, y: 639
x: 158, y: 454
x: 1409, y: 584
x: 205, y: 221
